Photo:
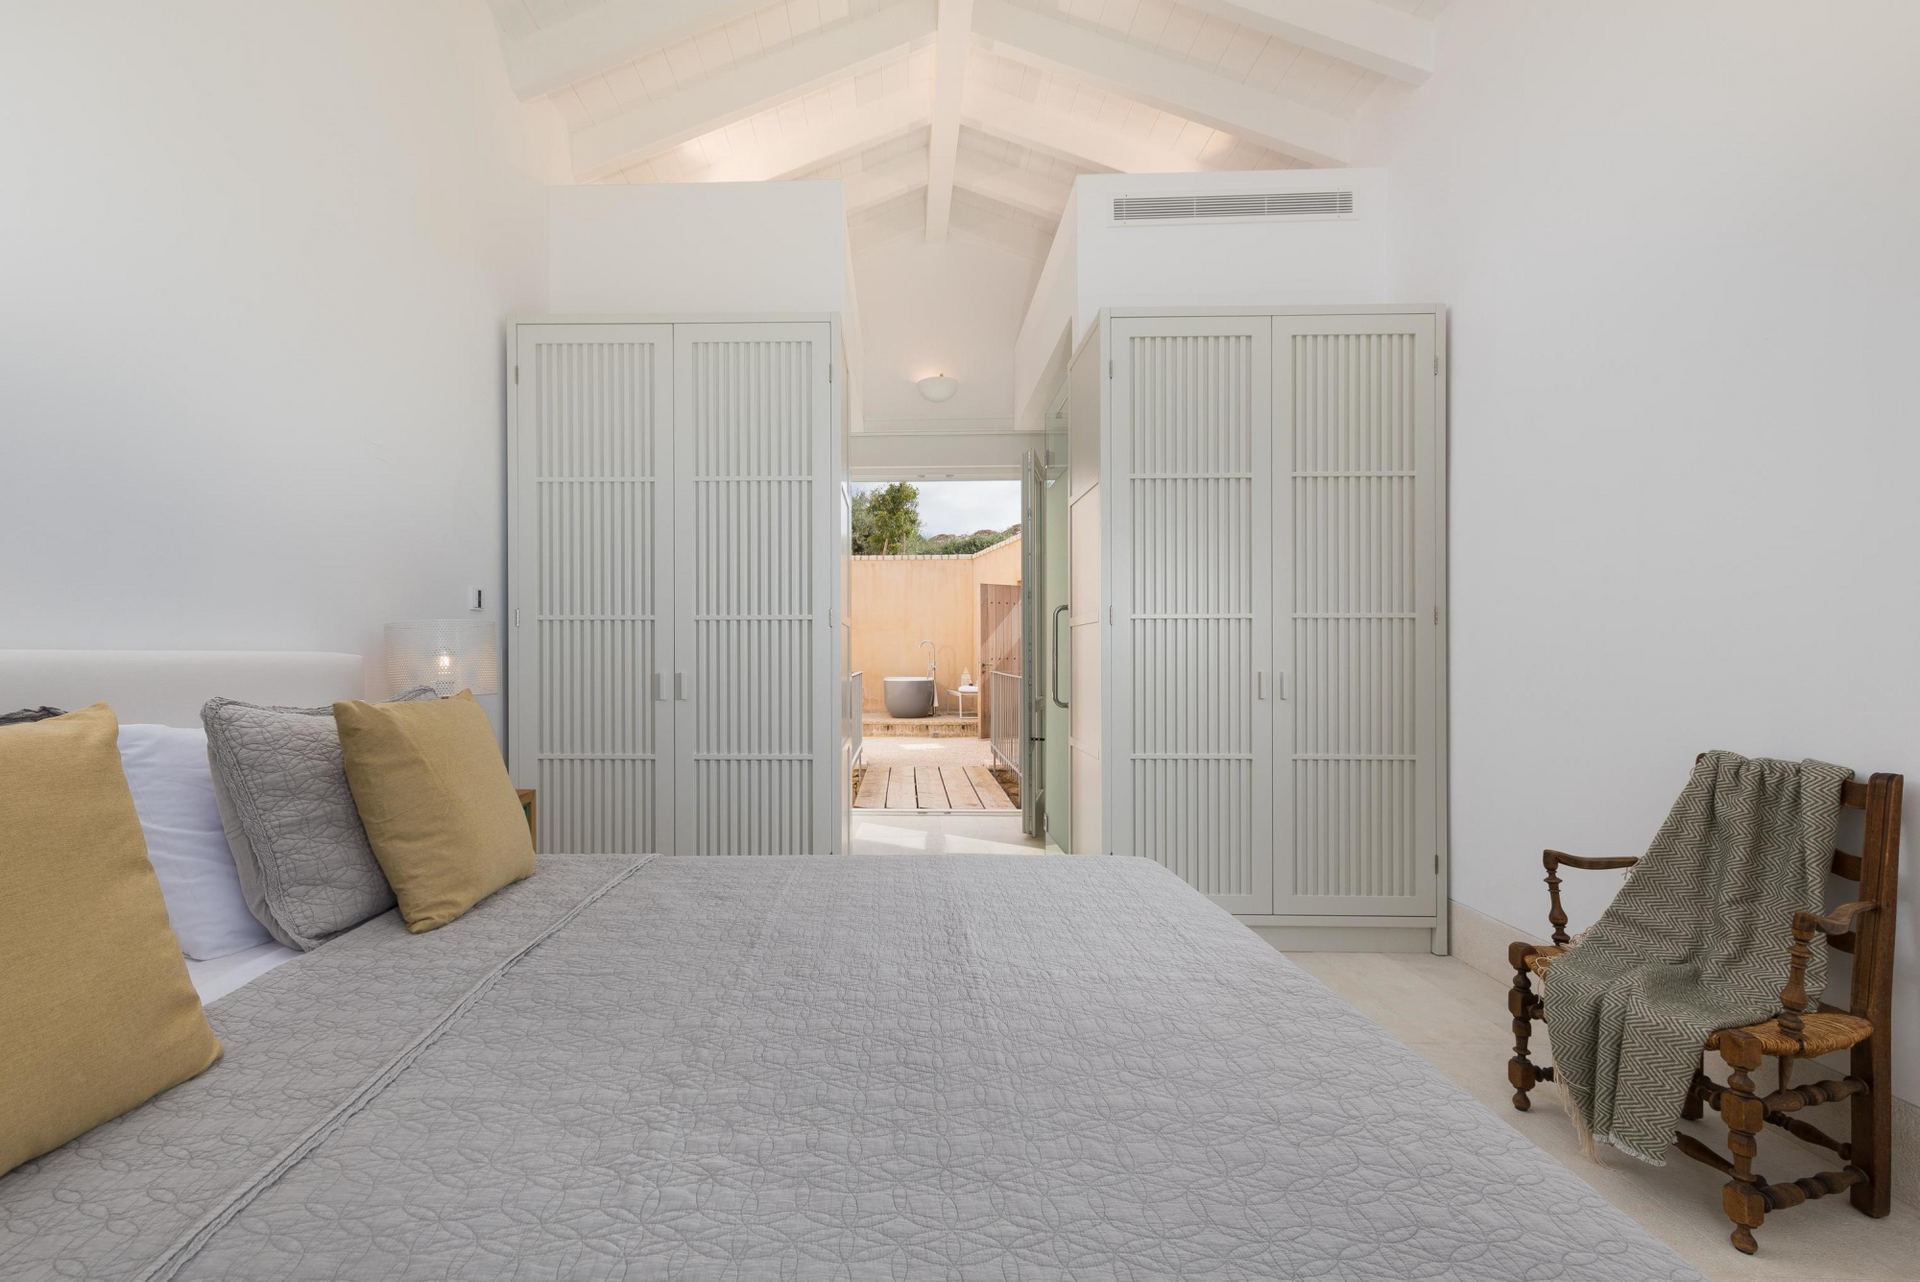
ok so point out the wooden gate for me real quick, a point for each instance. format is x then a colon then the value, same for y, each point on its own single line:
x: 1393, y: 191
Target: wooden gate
x: 999, y: 645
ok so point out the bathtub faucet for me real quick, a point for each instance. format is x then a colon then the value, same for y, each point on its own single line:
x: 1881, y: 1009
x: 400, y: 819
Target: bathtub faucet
x: 933, y: 668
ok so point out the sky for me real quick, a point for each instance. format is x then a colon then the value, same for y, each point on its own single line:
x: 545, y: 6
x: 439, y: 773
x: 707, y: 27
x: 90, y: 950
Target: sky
x: 961, y: 507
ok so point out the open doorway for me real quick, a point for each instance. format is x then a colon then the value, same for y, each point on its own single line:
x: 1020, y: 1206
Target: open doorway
x: 936, y: 645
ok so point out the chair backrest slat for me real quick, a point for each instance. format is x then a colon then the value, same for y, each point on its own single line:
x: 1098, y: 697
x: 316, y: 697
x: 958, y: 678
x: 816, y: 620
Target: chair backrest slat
x: 1877, y: 869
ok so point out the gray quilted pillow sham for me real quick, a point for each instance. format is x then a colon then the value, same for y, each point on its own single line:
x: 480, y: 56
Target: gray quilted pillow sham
x: 281, y: 784
x: 26, y: 716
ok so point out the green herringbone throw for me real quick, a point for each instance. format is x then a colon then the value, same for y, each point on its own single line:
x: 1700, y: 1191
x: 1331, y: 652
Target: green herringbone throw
x: 1694, y: 942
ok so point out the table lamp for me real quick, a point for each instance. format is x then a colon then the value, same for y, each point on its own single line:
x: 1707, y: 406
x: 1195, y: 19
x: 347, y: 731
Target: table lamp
x: 448, y: 654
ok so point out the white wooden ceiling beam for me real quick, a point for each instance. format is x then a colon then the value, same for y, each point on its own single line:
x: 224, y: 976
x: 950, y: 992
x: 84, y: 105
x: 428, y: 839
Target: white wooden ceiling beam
x: 871, y: 188
x: 983, y: 220
x: 1159, y: 80
x: 886, y: 119
x: 1070, y: 138
x: 1002, y: 225
x: 786, y: 71
x: 602, y: 38
x: 1375, y: 36
x: 951, y: 41
x: 1012, y: 186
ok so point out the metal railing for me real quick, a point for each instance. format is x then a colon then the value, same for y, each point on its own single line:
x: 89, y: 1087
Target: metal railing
x: 1009, y: 717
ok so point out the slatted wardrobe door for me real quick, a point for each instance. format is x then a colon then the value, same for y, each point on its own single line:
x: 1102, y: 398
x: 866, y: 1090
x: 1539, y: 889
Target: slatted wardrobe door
x: 591, y: 518
x: 757, y: 713
x: 1192, y: 591
x: 1359, y: 392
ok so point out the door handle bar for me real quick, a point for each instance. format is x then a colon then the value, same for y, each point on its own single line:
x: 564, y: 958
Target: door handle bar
x: 1053, y: 685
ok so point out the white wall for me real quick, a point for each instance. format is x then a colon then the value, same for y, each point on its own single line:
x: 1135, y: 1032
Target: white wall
x: 256, y: 259
x: 1334, y: 260
x: 928, y: 309
x: 912, y: 454
x: 697, y: 247
x: 1679, y: 243
x: 1096, y: 264
x: 1048, y: 326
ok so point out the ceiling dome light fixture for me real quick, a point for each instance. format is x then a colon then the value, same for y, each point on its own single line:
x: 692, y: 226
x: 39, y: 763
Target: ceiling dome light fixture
x: 939, y: 387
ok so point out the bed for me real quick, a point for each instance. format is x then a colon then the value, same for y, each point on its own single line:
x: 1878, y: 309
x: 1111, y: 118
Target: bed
x: 946, y: 1067
x: 168, y: 688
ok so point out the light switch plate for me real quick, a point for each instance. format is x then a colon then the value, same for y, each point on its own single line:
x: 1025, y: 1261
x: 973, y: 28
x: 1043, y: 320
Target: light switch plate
x: 474, y: 598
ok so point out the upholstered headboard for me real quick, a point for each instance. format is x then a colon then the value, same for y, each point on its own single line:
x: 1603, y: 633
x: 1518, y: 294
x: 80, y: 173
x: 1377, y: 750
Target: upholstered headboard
x: 167, y: 687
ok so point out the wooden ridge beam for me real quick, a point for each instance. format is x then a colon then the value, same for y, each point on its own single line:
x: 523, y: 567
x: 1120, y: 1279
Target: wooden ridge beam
x: 1071, y: 138
x: 951, y: 41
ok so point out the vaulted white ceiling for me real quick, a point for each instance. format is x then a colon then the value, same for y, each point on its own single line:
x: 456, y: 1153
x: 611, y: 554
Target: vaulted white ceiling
x: 975, y: 114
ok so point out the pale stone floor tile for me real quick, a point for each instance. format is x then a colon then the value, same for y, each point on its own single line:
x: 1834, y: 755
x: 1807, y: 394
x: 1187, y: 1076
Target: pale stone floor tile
x: 898, y: 834
x: 1455, y: 1018
x: 1406, y: 1001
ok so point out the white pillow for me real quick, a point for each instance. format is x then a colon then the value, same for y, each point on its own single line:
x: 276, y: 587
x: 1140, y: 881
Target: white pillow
x: 172, y: 787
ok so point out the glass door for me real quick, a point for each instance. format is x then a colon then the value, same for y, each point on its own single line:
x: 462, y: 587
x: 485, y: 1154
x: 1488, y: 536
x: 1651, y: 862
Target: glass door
x: 1030, y: 645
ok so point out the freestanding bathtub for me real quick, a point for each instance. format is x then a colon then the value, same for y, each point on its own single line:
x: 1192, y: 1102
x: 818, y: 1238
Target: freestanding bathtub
x: 909, y: 696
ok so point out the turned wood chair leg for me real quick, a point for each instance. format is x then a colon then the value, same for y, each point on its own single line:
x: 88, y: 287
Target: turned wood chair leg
x: 1521, y: 1004
x: 1693, y: 1110
x: 1872, y: 1132
x: 1745, y: 1117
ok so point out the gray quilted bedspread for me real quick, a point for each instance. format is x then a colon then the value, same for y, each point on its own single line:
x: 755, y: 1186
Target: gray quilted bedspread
x: 814, y: 1068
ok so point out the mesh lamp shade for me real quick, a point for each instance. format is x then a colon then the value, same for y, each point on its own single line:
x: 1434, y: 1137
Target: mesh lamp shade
x: 450, y: 655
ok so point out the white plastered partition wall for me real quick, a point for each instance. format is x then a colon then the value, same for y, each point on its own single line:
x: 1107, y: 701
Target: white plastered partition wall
x: 931, y: 309
x: 254, y: 320
x: 1682, y: 428
x: 941, y: 309
x: 1097, y: 262
x: 748, y: 248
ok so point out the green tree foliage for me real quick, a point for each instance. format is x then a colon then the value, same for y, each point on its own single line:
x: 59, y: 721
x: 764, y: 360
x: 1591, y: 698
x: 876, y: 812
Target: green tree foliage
x: 962, y: 544
x: 886, y: 522
x: 863, y: 539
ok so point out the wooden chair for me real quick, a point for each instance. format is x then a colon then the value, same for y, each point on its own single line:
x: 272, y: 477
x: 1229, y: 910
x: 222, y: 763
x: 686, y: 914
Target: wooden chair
x: 1862, y: 1027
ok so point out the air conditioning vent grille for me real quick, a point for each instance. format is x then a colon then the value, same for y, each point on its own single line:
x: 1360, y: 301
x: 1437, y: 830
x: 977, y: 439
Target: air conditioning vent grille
x: 1233, y: 206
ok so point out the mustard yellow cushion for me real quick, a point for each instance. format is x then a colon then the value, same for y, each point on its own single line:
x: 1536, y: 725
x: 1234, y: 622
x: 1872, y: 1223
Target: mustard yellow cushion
x: 97, y: 1014
x: 433, y: 794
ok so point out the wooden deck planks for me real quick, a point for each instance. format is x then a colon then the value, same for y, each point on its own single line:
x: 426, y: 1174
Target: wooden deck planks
x: 960, y: 789
x: 930, y: 789
x: 992, y: 795
x: 873, y: 790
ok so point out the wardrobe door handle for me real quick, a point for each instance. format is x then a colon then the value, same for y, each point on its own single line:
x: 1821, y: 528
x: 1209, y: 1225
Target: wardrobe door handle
x: 680, y: 685
x: 659, y: 687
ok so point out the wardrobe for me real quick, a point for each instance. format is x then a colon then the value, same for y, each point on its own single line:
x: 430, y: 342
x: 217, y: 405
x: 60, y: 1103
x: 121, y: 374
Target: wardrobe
x: 676, y: 670
x: 1259, y: 591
